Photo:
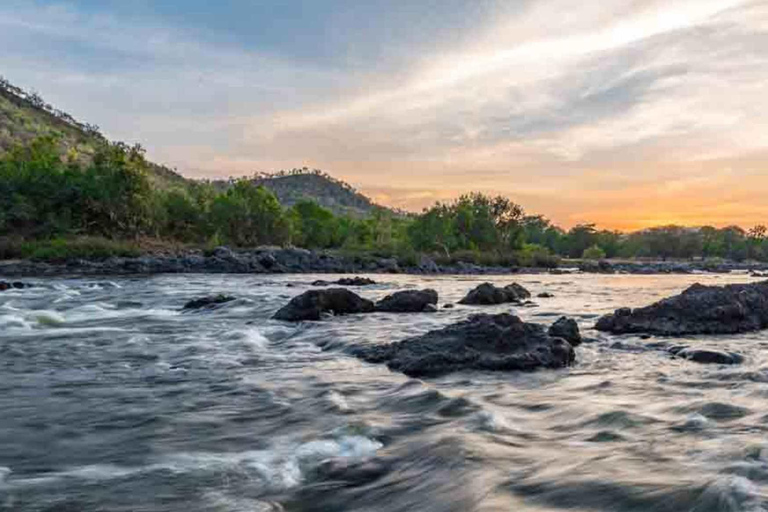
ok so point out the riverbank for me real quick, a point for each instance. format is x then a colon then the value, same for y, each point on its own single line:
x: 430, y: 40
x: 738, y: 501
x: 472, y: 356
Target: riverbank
x: 271, y: 260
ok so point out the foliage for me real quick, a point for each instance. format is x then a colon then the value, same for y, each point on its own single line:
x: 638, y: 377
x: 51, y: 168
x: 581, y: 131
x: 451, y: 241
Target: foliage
x: 54, y: 205
x: 593, y: 253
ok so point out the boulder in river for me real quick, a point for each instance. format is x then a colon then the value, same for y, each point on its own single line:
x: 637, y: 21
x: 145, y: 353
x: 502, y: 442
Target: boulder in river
x: 312, y: 304
x: 488, y: 294
x: 566, y: 328
x: 500, y: 342
x: 346, y: 281
x: 209, y: 302
x: 700, y: 309
x: 408, y: 301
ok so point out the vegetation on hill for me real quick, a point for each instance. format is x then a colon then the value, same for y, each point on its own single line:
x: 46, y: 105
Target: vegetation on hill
x: 108, y: 203
x: 296, y: 185
x: 26, y: 116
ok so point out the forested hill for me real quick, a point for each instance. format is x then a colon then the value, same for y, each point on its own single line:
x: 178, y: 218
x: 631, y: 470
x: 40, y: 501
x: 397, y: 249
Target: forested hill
x: 25, y: 116
x: 341, y: 198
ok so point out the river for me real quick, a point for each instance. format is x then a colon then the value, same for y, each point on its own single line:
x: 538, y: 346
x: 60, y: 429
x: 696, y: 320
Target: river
x: 113, y: 399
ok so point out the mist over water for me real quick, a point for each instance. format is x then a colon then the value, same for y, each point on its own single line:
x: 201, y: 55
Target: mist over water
x: 113, y: 399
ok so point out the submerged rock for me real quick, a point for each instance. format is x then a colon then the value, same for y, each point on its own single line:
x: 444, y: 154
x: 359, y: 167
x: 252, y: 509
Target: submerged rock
x: 18, y: 285
x: 566, y: 328
x: 312, y: 304
x: 545, y: 295
x: 408, y: 301
x: 700, y: 309
x: 487, y: 294
x: 707, y: 356
x: 500, y: 342
x: 209, y: 302
x: 346, y: 281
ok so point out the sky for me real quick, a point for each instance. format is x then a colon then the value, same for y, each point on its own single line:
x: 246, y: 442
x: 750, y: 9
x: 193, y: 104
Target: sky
x: 626, y: 113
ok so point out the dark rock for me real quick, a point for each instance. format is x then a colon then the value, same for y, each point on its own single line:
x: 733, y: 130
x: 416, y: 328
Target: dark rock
x: 18, y: 285
x: 700, y: 309
x: 448, y: 306
x: 709, y: 356
x: 596, y: 267
x: 407, y: 301
x: 346, y: 281
x: 500, y: 342
x: 545, y: 295
x: 267, y: 261
x: 312, y: 304
x: 224, y: 252
x: 430, y: 308
x: 428, y: 265
x: 209, y: 302
x: 566, y: 328
x: 487, y: 294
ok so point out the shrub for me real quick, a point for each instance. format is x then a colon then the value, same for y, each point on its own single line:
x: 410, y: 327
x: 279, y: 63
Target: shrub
x: 593, y: 253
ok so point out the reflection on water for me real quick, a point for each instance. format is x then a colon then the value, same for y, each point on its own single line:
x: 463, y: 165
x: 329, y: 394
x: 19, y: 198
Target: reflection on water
x: 112, y: 399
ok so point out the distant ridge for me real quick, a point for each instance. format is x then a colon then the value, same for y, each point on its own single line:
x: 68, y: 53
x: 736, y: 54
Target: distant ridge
x: 25, y: 116
x: 338, y: 196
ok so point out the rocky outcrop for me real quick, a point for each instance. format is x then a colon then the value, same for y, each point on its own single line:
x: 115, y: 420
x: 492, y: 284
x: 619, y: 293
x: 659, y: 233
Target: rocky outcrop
x: 566, y: 328
x: 209, y: 302
x: 409, y: 301
x: 488, y: 294
x: 346, y: 281
x: 700, y: 309
x: 500, y: 342
x: 313, y: 304
x: 15, y: 285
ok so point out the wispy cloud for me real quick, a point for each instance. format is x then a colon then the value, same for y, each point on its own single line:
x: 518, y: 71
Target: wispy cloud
x: 571, y: 108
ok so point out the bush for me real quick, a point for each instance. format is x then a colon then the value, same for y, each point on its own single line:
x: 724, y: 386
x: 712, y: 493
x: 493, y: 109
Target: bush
x: 533, y: 255
x: 593, y: 253
x: 63, y: 249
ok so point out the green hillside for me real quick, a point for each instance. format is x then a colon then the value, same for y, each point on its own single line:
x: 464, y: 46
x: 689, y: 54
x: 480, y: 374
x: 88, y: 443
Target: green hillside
x: 26, y: 116
x: 341, y: 198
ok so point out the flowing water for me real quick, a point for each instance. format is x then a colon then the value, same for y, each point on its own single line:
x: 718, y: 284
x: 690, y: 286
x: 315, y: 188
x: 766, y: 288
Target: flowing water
x: 112, y: 399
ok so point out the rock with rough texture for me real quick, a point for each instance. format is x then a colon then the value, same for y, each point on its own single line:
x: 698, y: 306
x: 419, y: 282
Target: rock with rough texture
x: 408, y: 301
x: 313, y: 304
x: 566, y: 328
x: 346, y: 281
x: 209, y: 302
x: 700, y: 309
x: 488, y: 294
x: 500, y: 342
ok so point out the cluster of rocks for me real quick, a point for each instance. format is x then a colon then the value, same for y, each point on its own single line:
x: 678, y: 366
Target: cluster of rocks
x: 316, y: 304
x: 700, y: 309
x: 668, y: 267
x: 500, y: 342
x: 15, y: 285
x: 488, y: 294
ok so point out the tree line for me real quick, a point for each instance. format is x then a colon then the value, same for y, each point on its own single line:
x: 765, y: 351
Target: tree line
x: 45, y: 194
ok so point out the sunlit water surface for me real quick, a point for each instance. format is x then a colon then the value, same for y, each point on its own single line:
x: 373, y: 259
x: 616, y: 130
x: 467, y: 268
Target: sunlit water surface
x: 112, y: 399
